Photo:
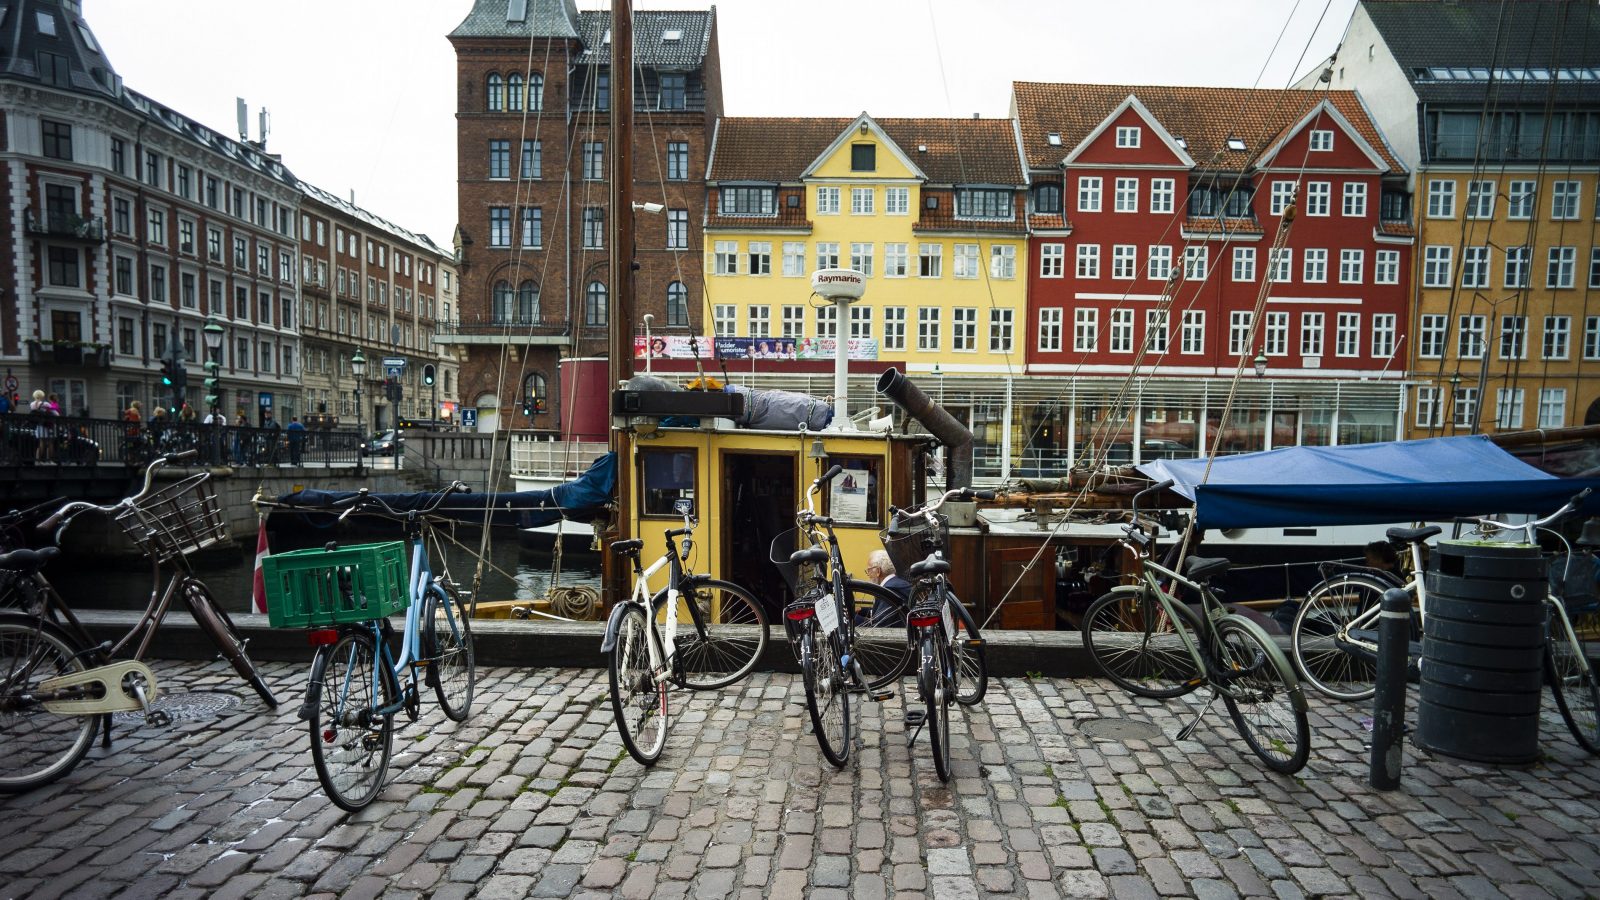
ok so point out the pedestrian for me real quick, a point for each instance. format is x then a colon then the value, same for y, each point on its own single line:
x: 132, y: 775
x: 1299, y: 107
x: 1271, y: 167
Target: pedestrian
x: 43, y: 429
x: 297, y: 439
x: 273, y: 434
x: 240, y: 423
x: 5, y: 403
x: 133, y: 417
x: 881, y: 571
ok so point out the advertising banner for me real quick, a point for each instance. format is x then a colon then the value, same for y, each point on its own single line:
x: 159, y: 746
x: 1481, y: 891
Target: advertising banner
x: 744, y: 348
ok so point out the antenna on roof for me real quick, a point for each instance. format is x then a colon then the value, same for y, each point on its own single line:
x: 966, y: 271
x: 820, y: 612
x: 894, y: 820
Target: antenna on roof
x: 265, y: 120
x: 244, y: 118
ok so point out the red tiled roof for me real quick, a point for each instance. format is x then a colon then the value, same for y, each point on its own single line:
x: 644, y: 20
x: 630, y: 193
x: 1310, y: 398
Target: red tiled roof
x: 1215, y: 225
x: 1396, y: 229
x: 1205, y: 117
x: 1048, y: 222
x: 778, y: 150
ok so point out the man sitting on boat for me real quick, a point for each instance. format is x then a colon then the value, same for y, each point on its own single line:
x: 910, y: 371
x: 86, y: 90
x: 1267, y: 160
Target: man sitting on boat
x: 880, y: 571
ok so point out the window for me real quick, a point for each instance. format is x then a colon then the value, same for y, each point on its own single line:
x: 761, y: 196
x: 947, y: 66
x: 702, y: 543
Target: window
x: 930, y: 260
x: 1351, y: 263
x: 1159, y: 267
x: 1470, y: 339
x: 861, y: 258
x: 668, y: 478
x: 1386, y: 267
x: 1120, y: 339
x: 1475, y: 267
x: 124, y: 276
x: 1193, y: 332
x: 1347, y: 339
x: 966, y: 261
x: 1086, y: 330
x: 861, y: 201
x: 827, y: 255
x: 927, y: 328
x: 860, y: 321
x: 747, y: 201
x: 496, y: 94
x: 896, y: 260
x: 1513, y: 337
x: 726, y: 258
x: 1436, y: 266
x: 1194, y: 262
x: 1280, y: 264
x: 1239, y: 322
x: 794, y: 320
x: 532, y: 159
x: 964, y: 329
x: 894, y: 327
x: 724, y: 319
x: 1282, y: 197
x: 1565, y: 201
x: 1128, y: 137
x: 1519, y: 200
x: 1000, y: 321
x: 760, y: 258
x: 1124, y: 261
x: 532, y: 227
x: 1591, y: 337
x: 1561, y: 267
x: 1383, y: 329
x: 158, y: 284
x: 1466, y: 406
x: 678, y: 229
x: 897, y: 201
x: 1089, y: 193
x: 1318, y: 198
x: 677, y: 161
x: 1431, y: 344
x: 188, y: 293
x: 119, y: 156
x: 1315, y: 269
x: 156, y: 227
x: 1552, y: 407
x: 1441, y: 199
x: 1244, y: 264
x: 57, y: 139
x: 499, y: 159
x: 1429, y: 415
x: 594, y: 228
x: 1517, y: 266
x: 1088, y: 260
x: 677, y: 305
x: 1355, y: 199
x: 594, y: 160
x: 65, y: 267
x: 499, y: 226
x: 827, y: 201
x: 1480, y: 199
x: 1155, y: 330
x: 1003, y: 262
x: 674, y: 91
x: 1275, y: 338
x: 1126, y: 198
x: 1321, y: 140
x: 514, y: 92
x: 1594, y: 267
x: 121, y: 216
x: 596, y: 308
x: 1050, y: 329
x: 1311, y: 334
x: 794, y: 258
x: 1161, y: 192
x: 1557, y: 336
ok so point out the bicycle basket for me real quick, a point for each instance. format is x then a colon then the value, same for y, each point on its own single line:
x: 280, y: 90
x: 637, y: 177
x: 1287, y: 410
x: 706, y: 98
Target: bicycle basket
x: 176, y: 520
x: 909, y: 539
x: 316, y: 588
x: 798, y: 578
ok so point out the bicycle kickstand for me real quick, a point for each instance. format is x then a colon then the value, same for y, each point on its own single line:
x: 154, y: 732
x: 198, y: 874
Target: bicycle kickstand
x: 1188, y: 730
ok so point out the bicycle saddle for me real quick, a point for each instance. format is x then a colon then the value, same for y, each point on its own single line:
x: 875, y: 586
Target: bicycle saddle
x: 933, y: 565
x: 811, y: 555
x: 626, y: 547
x: 28, y: 560
x: 1200, y: 568
x: 1412, y: 535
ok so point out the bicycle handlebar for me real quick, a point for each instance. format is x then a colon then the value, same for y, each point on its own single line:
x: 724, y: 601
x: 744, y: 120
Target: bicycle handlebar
x: 932, y: 506
x: 1528, y: 528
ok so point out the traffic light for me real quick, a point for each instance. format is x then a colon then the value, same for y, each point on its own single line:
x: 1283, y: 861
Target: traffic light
x: 427, y: 375
x: 168, y: 376
x: 532, y: 406
x: 392, y: 390
x: 212, y: 381
x: 180, y: 382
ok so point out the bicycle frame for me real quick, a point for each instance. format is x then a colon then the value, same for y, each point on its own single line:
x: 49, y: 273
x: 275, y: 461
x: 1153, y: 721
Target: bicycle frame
x: 662, y: 644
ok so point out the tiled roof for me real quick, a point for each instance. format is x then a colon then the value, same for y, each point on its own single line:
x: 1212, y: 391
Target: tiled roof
x: 944, y: 219
x: 1389, y: 228
x: 1424, y: 34
x: 650, y: 47
x: 418, y: 241
x: 1204, y: 117
x: 243, y: 154
x: 1048, y: 222
x: 778, y: 150
x: 1217, y: 225
x: 539, y: 18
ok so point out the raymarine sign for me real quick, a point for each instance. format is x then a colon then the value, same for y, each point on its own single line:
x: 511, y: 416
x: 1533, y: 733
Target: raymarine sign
x: 838, y: 284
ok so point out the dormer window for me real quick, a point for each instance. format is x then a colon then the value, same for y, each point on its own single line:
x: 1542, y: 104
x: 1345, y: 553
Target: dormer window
x: 1047, y: 197
x: 863, y: 157
x: 984, y: 203
x: 47, y: 23
x: 674, y: 91
x: 1321, y: 140
x: 747, y: 201
x: 1128, y: 137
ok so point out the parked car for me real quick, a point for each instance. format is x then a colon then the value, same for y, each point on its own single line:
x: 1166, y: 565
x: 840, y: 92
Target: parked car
x: 385, y: 443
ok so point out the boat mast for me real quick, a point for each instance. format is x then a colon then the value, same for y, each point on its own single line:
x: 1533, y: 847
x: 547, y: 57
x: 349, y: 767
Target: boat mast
x: 621, y: 258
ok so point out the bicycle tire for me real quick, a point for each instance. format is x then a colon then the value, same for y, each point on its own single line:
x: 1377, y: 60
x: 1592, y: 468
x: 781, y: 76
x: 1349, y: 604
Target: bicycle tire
x: 731, y: 645
x: 1330, y: 606
x: 934, y: 684
x: 34, y: 650
x: 349, y: 750
x: 1576, y: 691
x: 971, y: 662
x: 447, y: 643
x: 827, y: 695
x: 882, y: 643
x: 1267, y: 705
x: 215, y: 623
x: 1133, y: 643
x: 635, y: 690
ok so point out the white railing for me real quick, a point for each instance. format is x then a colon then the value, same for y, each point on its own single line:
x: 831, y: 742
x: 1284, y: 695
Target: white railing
x: 533, y: 457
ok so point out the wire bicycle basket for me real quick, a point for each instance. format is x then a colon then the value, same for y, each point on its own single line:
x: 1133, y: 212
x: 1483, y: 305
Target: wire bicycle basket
x: 909, y: 539
x: 802, y: 580
x: 176, y: 520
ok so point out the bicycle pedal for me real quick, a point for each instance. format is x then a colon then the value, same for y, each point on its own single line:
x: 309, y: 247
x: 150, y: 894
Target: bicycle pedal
x: 915, y: 717
x: 881, y: 696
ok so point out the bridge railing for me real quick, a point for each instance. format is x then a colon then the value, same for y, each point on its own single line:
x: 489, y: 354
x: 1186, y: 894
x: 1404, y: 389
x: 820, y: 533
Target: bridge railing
x: 30, y: 440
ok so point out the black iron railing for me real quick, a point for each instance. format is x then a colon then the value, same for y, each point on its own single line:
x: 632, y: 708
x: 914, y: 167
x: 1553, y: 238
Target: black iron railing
x: 30, y: 440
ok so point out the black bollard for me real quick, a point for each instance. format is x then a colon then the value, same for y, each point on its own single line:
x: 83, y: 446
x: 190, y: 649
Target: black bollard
x: 1389, y: 703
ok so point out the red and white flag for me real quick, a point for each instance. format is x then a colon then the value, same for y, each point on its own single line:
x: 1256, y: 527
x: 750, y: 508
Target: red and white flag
x: 258, y: 590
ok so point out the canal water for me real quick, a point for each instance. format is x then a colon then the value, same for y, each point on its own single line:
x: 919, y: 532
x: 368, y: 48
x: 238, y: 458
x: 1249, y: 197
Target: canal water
x: 103, y: 584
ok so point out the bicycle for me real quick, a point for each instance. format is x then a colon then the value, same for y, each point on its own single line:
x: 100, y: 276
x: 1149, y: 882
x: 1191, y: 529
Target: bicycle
x: 917, y: 540
x: 1152, y: 645
x: 57, y: 684
x: 358, y: 680
x: 645, y: 659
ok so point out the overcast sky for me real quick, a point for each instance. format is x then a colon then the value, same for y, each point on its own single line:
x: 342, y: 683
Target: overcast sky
x: 362, y: 98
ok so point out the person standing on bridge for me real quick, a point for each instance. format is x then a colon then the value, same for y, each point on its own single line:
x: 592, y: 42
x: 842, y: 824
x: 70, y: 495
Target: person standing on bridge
x: 297, y: 439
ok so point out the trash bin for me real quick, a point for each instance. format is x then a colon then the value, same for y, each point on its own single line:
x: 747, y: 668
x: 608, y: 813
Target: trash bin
x: 1483, y: 652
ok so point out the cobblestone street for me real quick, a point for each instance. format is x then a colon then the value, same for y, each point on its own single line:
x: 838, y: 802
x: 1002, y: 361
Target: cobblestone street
x: 534, y: 796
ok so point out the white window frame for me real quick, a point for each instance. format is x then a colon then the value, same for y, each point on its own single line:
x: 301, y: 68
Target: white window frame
x: 1128, y: 137
x: 1124, y: 261
x: 1354, y: 202
x: 1347, y: 334
x: 1386, y: 267
x: 1193, y: 332
x: 827, y: 201
x: 1438, y: 260
x: 1244, y: 264
x: 1314, y: 265
x: 1311, y: 334
x: 1050, y: 318
x: 1162, y: 191
x: 1125, y: 198
x: 1089, y: 189
x: 1319, y: 198
x: 1052, y: 260
x: 1159, y: 265
x: 1352, y: 266
x: 894, y: 328
x: 1088, y: 261
x: 1086, y: 330
x: 1441, y: 198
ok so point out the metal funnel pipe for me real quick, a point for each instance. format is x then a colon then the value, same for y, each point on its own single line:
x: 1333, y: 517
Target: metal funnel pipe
x: 942, y: 425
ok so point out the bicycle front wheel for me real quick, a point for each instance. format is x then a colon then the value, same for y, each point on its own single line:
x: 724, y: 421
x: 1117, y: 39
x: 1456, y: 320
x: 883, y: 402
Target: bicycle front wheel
x: 638, y: 700
x: 1135, y: 643
x: 1572, y: 681
x: 1262, y: 695
x: 447, y: 642
x: 37, y: 746
x: 882, y: 645
x: 827, y: 697
x: 1329, y: 609
x: 350, y: 742
x: 720, y: 640
x: 217, y: 626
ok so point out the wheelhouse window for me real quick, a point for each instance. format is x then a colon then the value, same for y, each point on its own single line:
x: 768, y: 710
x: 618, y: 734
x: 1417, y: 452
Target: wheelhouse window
x: 666, y: 477
x: 853, y: 495
x: 983, y: 203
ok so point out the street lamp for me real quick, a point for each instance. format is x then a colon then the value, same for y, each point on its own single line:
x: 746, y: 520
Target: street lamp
x: 358, y: 365
x: 1260, y: 363
x: 212, y: 335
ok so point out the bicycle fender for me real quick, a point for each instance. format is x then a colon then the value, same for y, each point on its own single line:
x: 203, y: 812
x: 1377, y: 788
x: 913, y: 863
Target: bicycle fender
x: 973, y: 637
x: 319, y: 665
x: 613, y: 625
x: 1127, y: 589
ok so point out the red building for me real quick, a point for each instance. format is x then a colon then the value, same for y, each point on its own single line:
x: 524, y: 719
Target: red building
x: 1155, y: 216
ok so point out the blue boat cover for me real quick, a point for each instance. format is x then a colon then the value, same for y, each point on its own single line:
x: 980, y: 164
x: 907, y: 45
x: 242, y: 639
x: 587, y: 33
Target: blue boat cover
x: 585, y: 497
x: 1361, y: 484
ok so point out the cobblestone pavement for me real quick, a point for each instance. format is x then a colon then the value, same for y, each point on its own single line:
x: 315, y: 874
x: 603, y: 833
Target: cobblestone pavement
x: 534, y: 796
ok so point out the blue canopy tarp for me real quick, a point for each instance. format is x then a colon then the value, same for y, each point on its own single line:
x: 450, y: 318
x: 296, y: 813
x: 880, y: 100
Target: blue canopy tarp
x: 1398, y: 481
x: 582, y: 498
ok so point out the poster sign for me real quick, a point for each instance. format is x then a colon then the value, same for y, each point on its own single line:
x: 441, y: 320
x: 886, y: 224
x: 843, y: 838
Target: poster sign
x: 744, y: 348
x: 469, y: 417
x: 848, y: 498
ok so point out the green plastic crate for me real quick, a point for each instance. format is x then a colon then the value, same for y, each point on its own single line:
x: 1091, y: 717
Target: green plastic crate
x: 315, y: 588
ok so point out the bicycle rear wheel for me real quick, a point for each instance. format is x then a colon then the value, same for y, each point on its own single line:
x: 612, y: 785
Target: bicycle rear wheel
x: 827, y: 698
x: 1259, y: 689
x: 881, y: 645
x: 1135, y: 643
x: 727, y: 640
x: 1329, y: 608
x: 1573, y: 684
x: 934, y: 682
x: 350, y: 743
x: 638, y: 700
x: 37, y: 746
x: 447, y: 642
x: 217, y: 626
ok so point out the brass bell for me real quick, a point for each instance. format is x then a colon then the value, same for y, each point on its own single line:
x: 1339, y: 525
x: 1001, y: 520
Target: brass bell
x: 1590, y: 536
